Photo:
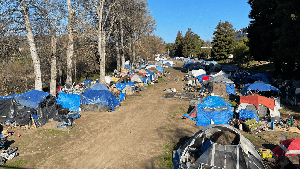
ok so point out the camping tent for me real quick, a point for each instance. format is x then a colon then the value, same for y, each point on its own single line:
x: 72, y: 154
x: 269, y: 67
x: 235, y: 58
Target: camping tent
x: 137, y: 78
x: 199, y: 72
x: 98, y: 86
x: 214, y: 109
x: 100, y: 97
x: 206, y: 149
x: 289, y: 147
x: 221, y: 73
x: 70, y: 101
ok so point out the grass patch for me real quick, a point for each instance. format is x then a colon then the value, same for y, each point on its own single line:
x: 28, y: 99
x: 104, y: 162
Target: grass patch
x: 233, y: 103
x: 150, y: 85
x: 160, y: 79
x: 50, y: 132
x: 165, y: 160
x: 283, y: 110
x: 15, y: 164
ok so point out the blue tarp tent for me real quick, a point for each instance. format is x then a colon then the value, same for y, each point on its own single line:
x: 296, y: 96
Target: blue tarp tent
x: 87, y: 81
x: 100, y: 97
x: 230, y: 89
x: 229, y: 68
x: 98, y: 86
x: 151, y: 75
x: 121, y: 86
x: 212, y: 108
x: 29, y: 99
x: 121, y: 96
x: 259, y: 87
x: 70, y: 101
x: 258, y: 77
x: 159, y: 68
x: 245, y: 114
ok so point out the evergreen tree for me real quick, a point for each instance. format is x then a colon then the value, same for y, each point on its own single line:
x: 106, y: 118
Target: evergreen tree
x: 179, y: 44
x: 223, y: 41
x: 241, y: 51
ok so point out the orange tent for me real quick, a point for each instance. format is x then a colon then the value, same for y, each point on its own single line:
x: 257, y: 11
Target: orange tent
x: 257, y: 99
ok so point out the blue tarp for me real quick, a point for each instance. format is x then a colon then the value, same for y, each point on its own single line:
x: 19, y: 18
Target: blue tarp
x: 70, y: 101
x: 229, y: 68
x: 245, y: 114
x: 127, y: 66
x: 230, y: 89
x: 121, y: 96
x: 144, y: 79
x: 100, y: 97
x: 87, y: 81
x: 259, y: 77
x: 121, y: 86
x: 151, y: 75
x: 200, y: 78
x: 97, y: 86
x: 260, y: 87
x: 207, y: 111
x: 29, y: 99
x: 159, y: 68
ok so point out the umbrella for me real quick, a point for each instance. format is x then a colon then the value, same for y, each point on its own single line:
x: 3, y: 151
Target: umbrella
x: 289, y: 147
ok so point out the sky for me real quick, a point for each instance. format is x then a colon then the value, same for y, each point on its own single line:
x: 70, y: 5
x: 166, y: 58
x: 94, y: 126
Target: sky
x: 202, y: 16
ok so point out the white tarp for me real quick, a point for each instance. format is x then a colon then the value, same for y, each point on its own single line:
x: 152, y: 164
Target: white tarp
x: 137, y: 78
x: 199, y: 72
x: 222, y: 73
x: 108, y: 79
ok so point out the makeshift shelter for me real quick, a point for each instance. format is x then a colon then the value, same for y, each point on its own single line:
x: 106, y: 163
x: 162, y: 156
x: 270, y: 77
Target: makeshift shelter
x: 100, y: 97
x: 128, y: 90
x: 10, y: 109
x: 229, y: 68
x: 217, y: 146
x: 136, y: 78
x: 160, y: 68
x: 261, y: 106
x: 222, y: 79
x: 221, y: 73
x: 219, y: 89
x: 70, y: 101
x: 212, y: 109
x: 289, y: 147
x: 98, y: 86
x: 253, y: 88
x: 46, y: 110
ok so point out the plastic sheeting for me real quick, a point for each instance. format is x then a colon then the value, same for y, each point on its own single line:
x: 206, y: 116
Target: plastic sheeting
x: 212, y: 108
x: 121, y: 86
x: 70, y: 101
x: 100, y: 97
x: 10, y: 109
x: 137, y: 78
x: 199, y: 72
x: 245, y: 114
x: 121, y: 96
x: 87, y: 81
x: 46, y: 110
x: 98, y: 86
x: 108, y: 79
x: 159, y: 68
x: 230, y: 89
x: 200, y: 78
x: 260, y: 87
x: 222, y: 79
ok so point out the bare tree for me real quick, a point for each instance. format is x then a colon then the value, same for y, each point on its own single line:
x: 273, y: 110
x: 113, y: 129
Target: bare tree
x: 70, y: 49
x: 33, y: 50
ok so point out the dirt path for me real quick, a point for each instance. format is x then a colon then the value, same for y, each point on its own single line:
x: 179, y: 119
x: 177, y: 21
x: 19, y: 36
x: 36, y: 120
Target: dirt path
x: 129, y: 137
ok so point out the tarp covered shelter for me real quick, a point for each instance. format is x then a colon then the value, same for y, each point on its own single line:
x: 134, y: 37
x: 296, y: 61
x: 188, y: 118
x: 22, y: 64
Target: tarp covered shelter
x: 121, y: 86
x: 160, y: 68
x: 100, y: 97
x: 245, y: 114
x: 214, y: 109
x: 11, y: 109
x: 98, y: 86
x: 221, y: 73
x: 222, y: 79
x: 70, y: 101
x: 87, y: 81
x: 207, y: 149
x: 229, y: 68
x: 137, y: 78
x: 199, y: 72
x: 259, y: 87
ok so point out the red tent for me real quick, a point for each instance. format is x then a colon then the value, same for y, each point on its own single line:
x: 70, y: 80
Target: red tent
x: 289, y: 147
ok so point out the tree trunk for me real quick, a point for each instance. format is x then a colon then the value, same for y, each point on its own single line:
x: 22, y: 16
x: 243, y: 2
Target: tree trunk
x: 122, y: 47
x: 101, y: 50
x: 70, y: 49
x: 53, y: 65
x: 33, y: 51
x: 130, y: 52
x: 118, y: 52
x: 133, y: 54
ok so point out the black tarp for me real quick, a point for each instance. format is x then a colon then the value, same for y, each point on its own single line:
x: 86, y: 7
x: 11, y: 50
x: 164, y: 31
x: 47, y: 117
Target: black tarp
x: 46, y: 110
x: 10, y: 109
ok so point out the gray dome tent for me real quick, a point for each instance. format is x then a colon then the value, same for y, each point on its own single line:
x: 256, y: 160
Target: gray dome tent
x: 205, y: 150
